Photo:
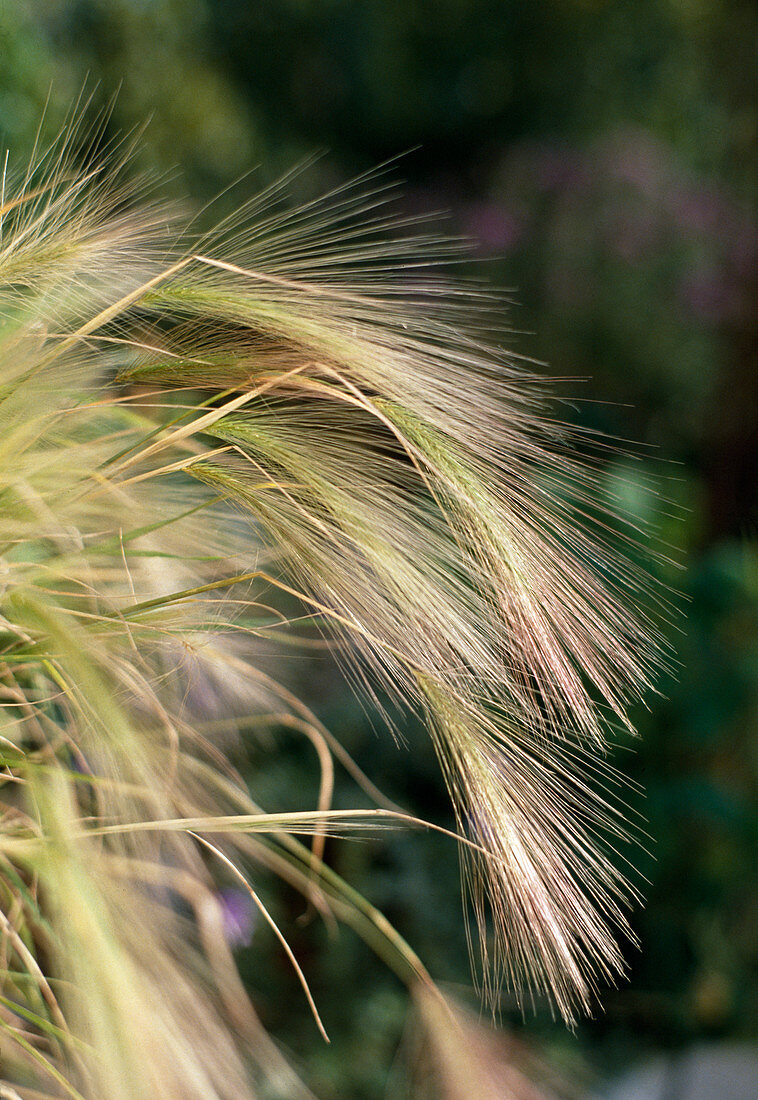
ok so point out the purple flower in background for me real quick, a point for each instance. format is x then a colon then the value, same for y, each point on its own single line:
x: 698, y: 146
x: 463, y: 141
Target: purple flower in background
x: 634, y: 233
x: 559, y: 168
x: 493, y: 227
x: 239, y: 916
x: 743, y: 250
x: 708, y: 296
x: 702, y: 211
x: 638, y: 160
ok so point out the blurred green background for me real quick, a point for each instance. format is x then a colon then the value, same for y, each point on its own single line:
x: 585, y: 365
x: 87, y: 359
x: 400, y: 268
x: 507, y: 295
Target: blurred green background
x: 602, y: 158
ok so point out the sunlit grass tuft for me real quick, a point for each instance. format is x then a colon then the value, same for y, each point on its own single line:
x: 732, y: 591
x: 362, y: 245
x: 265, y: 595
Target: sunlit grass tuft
x: 189, y: 434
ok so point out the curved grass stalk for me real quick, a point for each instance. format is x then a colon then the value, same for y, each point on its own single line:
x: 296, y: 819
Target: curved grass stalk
x: 290, y: 427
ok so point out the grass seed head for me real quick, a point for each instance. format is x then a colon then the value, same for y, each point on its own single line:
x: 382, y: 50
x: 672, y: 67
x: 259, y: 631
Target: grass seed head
x: 190, y: 441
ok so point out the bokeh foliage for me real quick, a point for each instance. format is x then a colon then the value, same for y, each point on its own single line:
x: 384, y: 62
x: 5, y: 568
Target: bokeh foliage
x: 603, y: 158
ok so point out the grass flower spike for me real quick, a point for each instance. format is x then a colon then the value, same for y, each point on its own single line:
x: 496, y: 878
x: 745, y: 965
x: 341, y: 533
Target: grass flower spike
x: 194, y: 435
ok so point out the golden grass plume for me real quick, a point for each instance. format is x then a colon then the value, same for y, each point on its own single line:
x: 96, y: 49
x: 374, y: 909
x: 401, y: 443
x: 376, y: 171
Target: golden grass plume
x: 190, y: 429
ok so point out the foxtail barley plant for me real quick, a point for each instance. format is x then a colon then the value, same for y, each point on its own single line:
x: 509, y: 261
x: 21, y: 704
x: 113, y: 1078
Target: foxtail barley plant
x: 197, y: 432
